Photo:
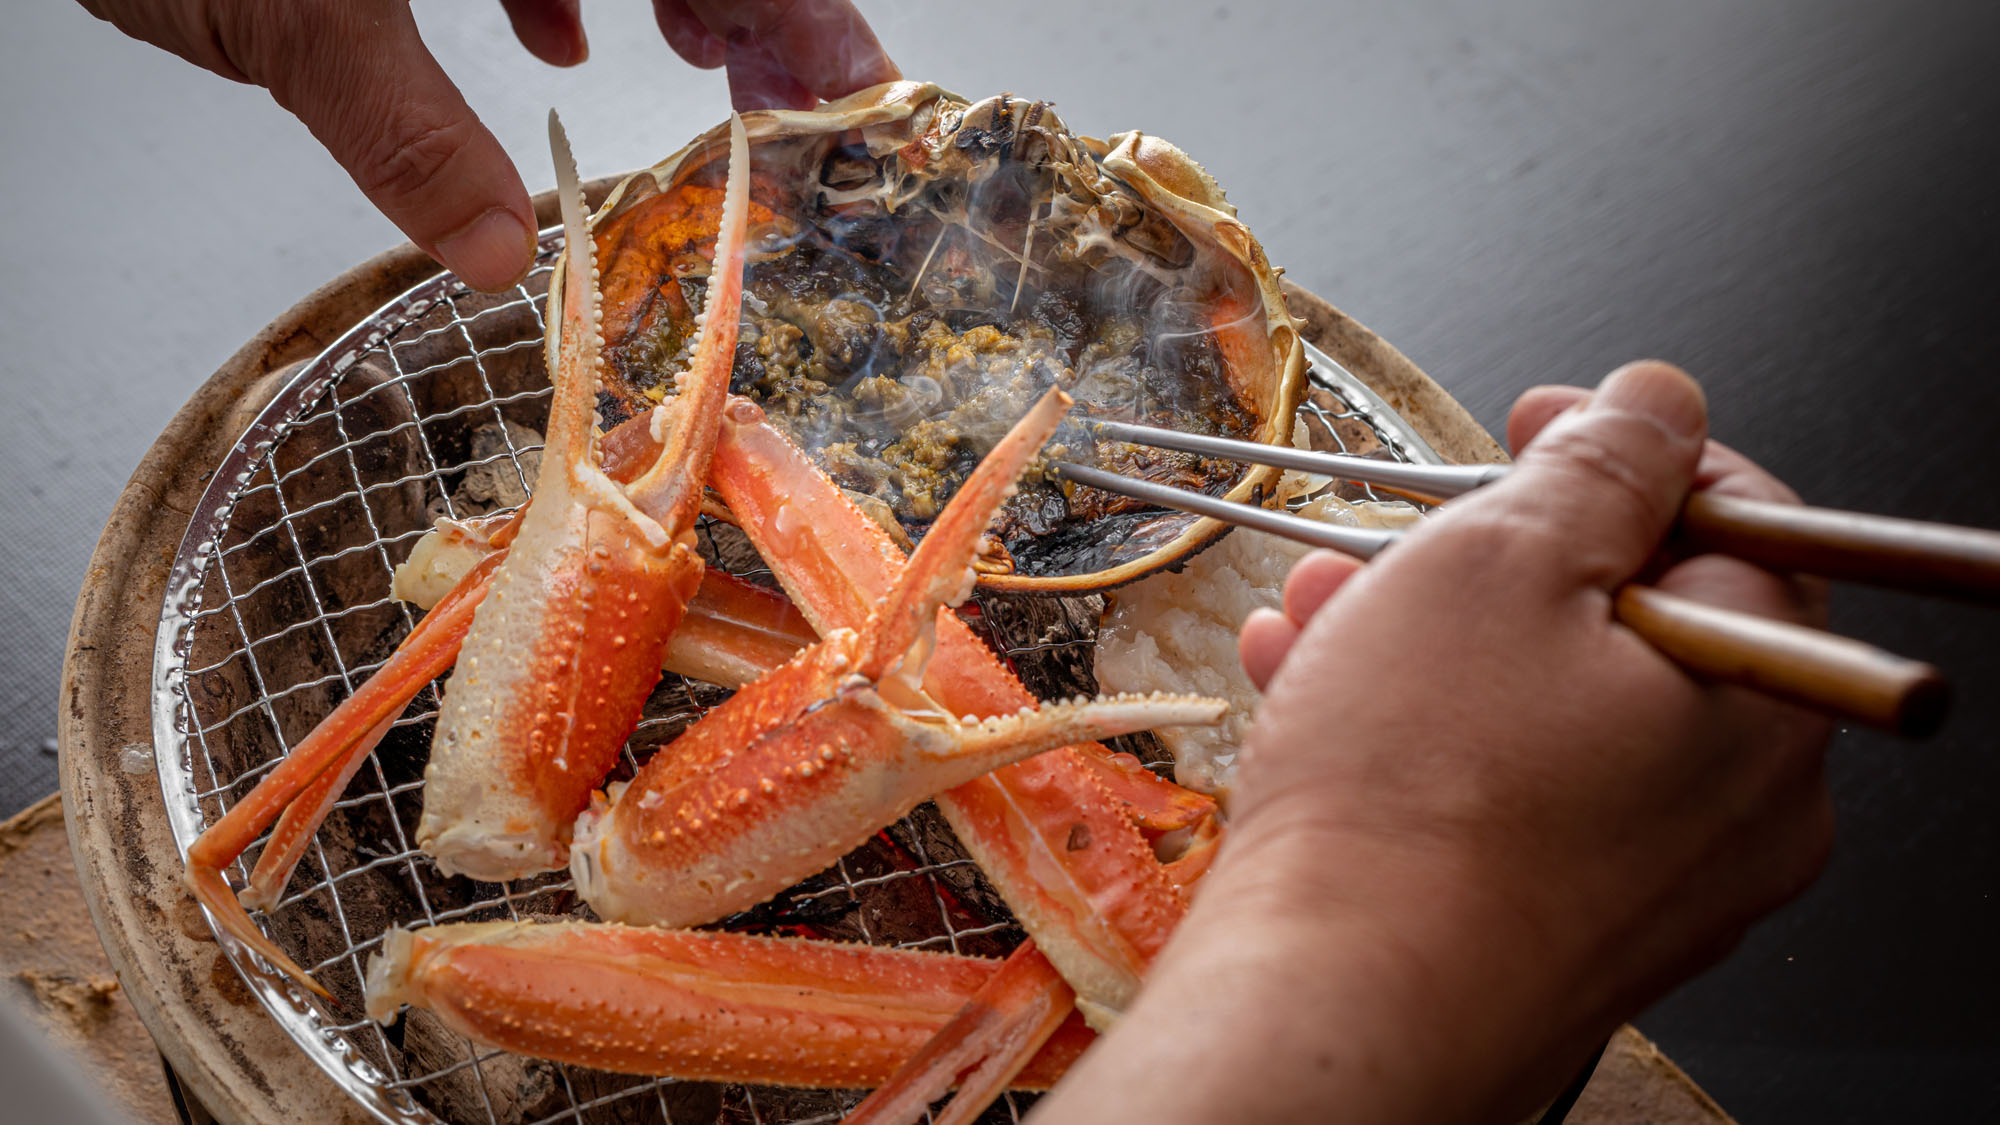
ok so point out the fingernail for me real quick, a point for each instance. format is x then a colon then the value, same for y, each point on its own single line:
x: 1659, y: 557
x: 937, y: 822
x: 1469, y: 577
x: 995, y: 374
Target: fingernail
x: 491, y: 253
x: 1659, y: 392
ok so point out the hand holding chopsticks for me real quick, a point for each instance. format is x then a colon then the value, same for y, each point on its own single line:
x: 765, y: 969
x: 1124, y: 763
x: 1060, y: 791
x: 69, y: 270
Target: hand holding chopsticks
x: 1833, y: 674
x: 1900, y: 554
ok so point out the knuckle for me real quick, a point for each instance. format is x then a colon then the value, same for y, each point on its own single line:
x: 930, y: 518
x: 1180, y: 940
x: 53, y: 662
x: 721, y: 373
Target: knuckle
x: 1592, y: 457
x: 1498, y: 535
x: 1514, y: 534
x: 1490, y: 555
x: 408, y: 158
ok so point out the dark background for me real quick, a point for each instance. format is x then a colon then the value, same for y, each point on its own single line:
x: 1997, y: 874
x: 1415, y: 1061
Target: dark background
x: 1795, y: 200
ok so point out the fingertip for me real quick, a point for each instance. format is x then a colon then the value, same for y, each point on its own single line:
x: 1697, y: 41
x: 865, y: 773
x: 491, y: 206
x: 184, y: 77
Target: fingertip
x: 1658, y: 392
x: 390, y: 115
x: 491, y: 253
x: 551, y: 30
x: 1536, y: 408
x: 825, y: 48
x: 1313, y: 580
x: 758, y: 78
x: 688, y: 36
x: 1262, y: 643
x: 1599, y: 484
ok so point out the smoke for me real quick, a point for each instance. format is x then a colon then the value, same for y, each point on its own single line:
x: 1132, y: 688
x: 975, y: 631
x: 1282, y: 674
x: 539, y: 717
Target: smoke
x: 931, y: 291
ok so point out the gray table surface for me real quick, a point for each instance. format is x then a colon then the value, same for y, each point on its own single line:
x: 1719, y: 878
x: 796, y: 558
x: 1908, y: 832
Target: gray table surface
x: 1792, y: 198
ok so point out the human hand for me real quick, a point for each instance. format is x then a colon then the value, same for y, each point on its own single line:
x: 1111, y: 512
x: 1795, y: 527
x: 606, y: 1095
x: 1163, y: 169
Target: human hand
x: 357, y: 73
x: 1478, y: 822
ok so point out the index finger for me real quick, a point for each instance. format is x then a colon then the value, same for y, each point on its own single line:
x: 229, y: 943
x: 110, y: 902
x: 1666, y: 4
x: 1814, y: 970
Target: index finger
x: 826, y: 45
x: 1724, y: 471
x: 361, y: 79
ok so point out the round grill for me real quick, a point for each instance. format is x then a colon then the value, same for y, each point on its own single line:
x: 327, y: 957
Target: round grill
x: 279, y: 605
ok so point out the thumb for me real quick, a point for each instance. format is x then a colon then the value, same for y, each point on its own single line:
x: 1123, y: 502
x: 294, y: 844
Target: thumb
x: 551, y: 30
x: 1600, y: 485
x: 1535, y: 409
x: 358, y: 75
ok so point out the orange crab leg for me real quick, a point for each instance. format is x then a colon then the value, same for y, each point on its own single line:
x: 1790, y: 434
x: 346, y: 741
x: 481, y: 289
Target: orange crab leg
x: 568, y: 644
x: 707, y: 1006
x: 1076, y: 871
x: 734, y: 632
x: 333, y: 747
x: 801, y: 766
x: 305, y: 785
x: 1060, y: 834
x: 287, y: 843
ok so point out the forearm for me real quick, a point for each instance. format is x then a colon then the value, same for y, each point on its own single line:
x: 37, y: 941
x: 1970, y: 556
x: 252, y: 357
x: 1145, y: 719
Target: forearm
x: 1385, y: 1012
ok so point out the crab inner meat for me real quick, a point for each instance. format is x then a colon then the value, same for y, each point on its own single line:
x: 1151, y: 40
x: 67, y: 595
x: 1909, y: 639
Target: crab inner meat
x: 902, y: 308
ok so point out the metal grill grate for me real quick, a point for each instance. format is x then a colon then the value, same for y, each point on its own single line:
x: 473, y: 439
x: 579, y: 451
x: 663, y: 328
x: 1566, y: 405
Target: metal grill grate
x: 279, y: 606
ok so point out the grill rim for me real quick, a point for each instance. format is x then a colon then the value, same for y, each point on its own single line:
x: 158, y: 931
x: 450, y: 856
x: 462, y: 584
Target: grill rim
x: 126, y: 859
x: 175, y: 724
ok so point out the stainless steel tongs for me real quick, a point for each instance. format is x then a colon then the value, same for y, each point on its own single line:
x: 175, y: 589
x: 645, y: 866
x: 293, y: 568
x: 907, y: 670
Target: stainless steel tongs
x: 1834, y: 674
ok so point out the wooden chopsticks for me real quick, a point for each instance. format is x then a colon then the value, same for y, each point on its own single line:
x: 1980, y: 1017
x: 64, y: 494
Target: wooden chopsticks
x: 1837, y: 675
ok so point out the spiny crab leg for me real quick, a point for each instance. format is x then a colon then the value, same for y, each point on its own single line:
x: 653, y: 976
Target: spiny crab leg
x: 1082, y: 878
x: 301, y: 789
x: 568, y: 643
x: 333, y: 747
x: 734, y: 632
x: 1059, y: 834
x: 804, y: 764
x: 707, y: 1006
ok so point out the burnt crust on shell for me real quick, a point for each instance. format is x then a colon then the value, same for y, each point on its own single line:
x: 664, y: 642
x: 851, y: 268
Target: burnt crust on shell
x: 1181, y: 203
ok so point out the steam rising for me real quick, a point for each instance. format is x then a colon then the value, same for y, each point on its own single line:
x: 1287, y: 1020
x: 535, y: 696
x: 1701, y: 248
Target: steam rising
x: 921, y: 295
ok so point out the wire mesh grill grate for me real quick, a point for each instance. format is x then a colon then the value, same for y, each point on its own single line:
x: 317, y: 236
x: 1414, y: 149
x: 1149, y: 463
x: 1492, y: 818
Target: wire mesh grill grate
x: 280, y: 607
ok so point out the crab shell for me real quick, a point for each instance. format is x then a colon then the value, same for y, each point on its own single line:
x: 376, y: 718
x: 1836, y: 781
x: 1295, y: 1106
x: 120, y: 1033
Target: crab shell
x: 1256, y: 336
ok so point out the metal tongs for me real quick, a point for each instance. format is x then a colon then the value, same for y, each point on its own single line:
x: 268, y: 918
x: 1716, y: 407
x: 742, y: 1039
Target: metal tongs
x: 1836, y: 675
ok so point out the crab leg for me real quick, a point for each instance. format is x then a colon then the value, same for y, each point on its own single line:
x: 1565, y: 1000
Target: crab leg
x: 302, y: 818
x: 734, y: 632
x: 334, y: 747
x: 1048, y: 831
x: 803, y: 765
x: 1060, y: 834
x: 706, y: 1006
x: 568, y: 643
x: 305, y: 785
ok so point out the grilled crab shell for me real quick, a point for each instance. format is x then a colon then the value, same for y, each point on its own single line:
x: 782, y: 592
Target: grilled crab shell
x: 1135, y: 196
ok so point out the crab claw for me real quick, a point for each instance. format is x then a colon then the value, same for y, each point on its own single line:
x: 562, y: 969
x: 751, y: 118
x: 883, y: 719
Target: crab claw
x: 565, y: 649
x: 802, y: 766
